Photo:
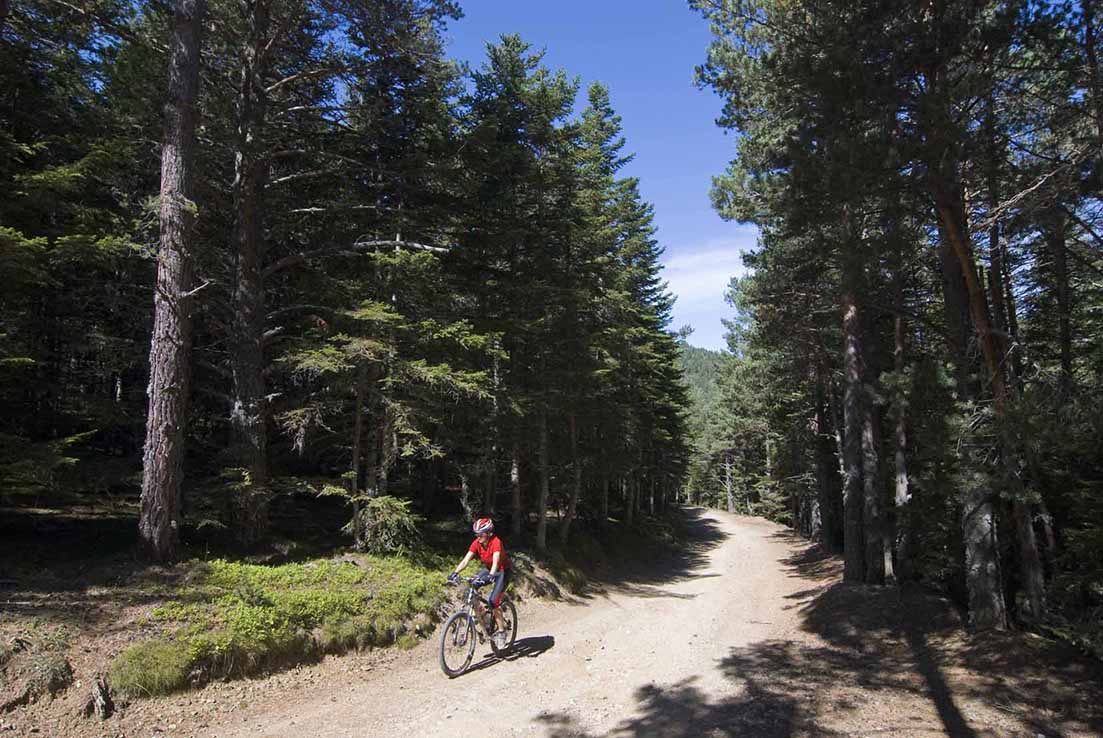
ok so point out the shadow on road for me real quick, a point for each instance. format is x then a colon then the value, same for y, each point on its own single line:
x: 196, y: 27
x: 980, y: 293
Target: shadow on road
x: 887, y: 663
x: 523, y: 648
x: 682, y: 710
x: 678, y: 562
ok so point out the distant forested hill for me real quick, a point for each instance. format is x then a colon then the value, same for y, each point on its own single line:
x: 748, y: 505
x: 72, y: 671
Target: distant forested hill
x: 702, y: 369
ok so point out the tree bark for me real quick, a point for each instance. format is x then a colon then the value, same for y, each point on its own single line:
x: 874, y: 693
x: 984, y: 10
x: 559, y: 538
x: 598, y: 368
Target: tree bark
x: 465, y: 497
x: 995, y: 251
x: 986, y: 602
x: 826, y: 473
x: 249, y: 413
x: 1093, y: 64
x: 604, y: 496
x: 854, y: 563
x: 1011, y: 312
x: 357, y: 482
x: 630, y: 499
x: 545, y: 486
x: 170, y: 348
x: 515, y: 489
x: 955, y: 312
x: 1030, y: 563
x: 490, y: 485
x: 873, y: 518
x: 576, y: 482
x: 903, y: 570
x: 1055, y: 240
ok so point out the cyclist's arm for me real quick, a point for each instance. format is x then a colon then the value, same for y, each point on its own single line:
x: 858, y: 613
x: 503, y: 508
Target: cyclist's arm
x: 494, y: 563
x: 463, y: 564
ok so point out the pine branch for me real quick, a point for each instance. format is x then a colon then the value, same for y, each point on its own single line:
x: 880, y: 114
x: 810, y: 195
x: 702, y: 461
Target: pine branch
x: 359, y: 246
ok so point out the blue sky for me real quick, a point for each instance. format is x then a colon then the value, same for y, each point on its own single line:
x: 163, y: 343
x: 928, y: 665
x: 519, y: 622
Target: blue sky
x: 645, y: 52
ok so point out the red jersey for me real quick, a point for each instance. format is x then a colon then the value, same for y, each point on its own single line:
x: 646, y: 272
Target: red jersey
x: 486, y: 553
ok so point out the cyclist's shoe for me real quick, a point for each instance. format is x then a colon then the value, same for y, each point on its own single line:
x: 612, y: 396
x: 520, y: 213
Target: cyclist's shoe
x: 499, y: 638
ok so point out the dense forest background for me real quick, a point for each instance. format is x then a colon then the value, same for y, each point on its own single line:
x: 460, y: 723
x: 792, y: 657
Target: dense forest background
x: 314, y: 270
x: 913, y: 372
x: 269, y: 265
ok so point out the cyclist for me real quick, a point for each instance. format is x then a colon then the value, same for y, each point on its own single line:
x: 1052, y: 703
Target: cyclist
x: 496, y: 567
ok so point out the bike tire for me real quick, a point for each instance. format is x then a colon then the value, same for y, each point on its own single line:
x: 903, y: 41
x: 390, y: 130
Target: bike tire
x: 509, y: 616
x: 457, y: 644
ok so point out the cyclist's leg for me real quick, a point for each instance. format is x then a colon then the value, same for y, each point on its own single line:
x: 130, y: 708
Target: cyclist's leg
x: 501, y: 581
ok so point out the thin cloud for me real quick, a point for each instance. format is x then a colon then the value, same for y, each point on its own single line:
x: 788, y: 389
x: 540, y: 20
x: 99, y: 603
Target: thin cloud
x: 698, y: 276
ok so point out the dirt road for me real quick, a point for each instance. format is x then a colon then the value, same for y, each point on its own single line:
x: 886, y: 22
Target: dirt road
x: 746, y: 633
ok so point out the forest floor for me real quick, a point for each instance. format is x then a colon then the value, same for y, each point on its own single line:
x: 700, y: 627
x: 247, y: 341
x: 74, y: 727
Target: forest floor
x: 745, y: 631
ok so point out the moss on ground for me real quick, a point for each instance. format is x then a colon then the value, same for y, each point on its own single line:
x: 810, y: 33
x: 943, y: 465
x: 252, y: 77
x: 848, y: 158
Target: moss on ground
x: 233, y: 619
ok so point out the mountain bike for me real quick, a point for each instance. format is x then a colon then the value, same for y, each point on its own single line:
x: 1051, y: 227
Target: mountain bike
x: 473, y: 624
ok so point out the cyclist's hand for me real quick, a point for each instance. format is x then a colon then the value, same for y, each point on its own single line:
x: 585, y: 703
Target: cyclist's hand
x: 453, y: 578
x: 482, y: 580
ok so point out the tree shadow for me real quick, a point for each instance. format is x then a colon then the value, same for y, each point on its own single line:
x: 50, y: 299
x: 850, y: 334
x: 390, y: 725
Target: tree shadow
x: 885, y: 662
x: 680, y: 562
x: 683, y: 710
x: 913, y: 642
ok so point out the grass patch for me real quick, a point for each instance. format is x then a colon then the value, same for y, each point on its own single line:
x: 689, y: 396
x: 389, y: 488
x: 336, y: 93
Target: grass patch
x: 150, y: 668
x: 231, y: 619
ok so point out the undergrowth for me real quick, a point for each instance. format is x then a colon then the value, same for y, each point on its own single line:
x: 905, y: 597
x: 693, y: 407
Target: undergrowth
x: 231, y: 619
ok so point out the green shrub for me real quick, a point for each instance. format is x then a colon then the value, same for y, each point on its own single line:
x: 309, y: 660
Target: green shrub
x: 151, y: 668
x: 48, y: 673
x: 385, y: 525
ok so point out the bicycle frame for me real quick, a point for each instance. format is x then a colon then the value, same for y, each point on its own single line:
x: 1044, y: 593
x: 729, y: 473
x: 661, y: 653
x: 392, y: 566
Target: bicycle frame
x: 474, y: 611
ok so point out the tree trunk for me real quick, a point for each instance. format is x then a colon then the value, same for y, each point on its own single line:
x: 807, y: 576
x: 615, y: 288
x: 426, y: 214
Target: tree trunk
x: 490, y: 483
x: 826, y: 474
x: 387, y: 446
x: 873, y: 522
x: 986, y: 602
x: 955, y: 311
x: 995, y: 260
x: 491, y: 488
x: 1011, y: 311
x: 249, y: 414
x: 604, y: 496
x: 3, y: 15
x: 515, y: 489
x: 576, y: 483
x: 1032, y: 571
x: 356, y: 483
x: 853, y: 492
x: 1093, y: 64
x: 903, y: 569
x: 630, y: 499
x: 170, y: 347
x: 545, y: 486
x: 465, y: 497
x: 1055, y: 240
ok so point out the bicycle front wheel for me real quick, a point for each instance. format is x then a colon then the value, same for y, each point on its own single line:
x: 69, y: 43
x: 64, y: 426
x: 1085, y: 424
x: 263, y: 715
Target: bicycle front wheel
x: 509, y: 618
x: 457, y: 644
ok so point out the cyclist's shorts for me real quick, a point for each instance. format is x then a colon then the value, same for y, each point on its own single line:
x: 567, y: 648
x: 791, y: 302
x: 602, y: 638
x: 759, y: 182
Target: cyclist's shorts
x: 501, y: 581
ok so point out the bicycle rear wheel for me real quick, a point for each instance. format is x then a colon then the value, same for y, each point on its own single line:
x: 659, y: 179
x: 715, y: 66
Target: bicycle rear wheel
x: 457, y: 644
x: 509, y: 619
